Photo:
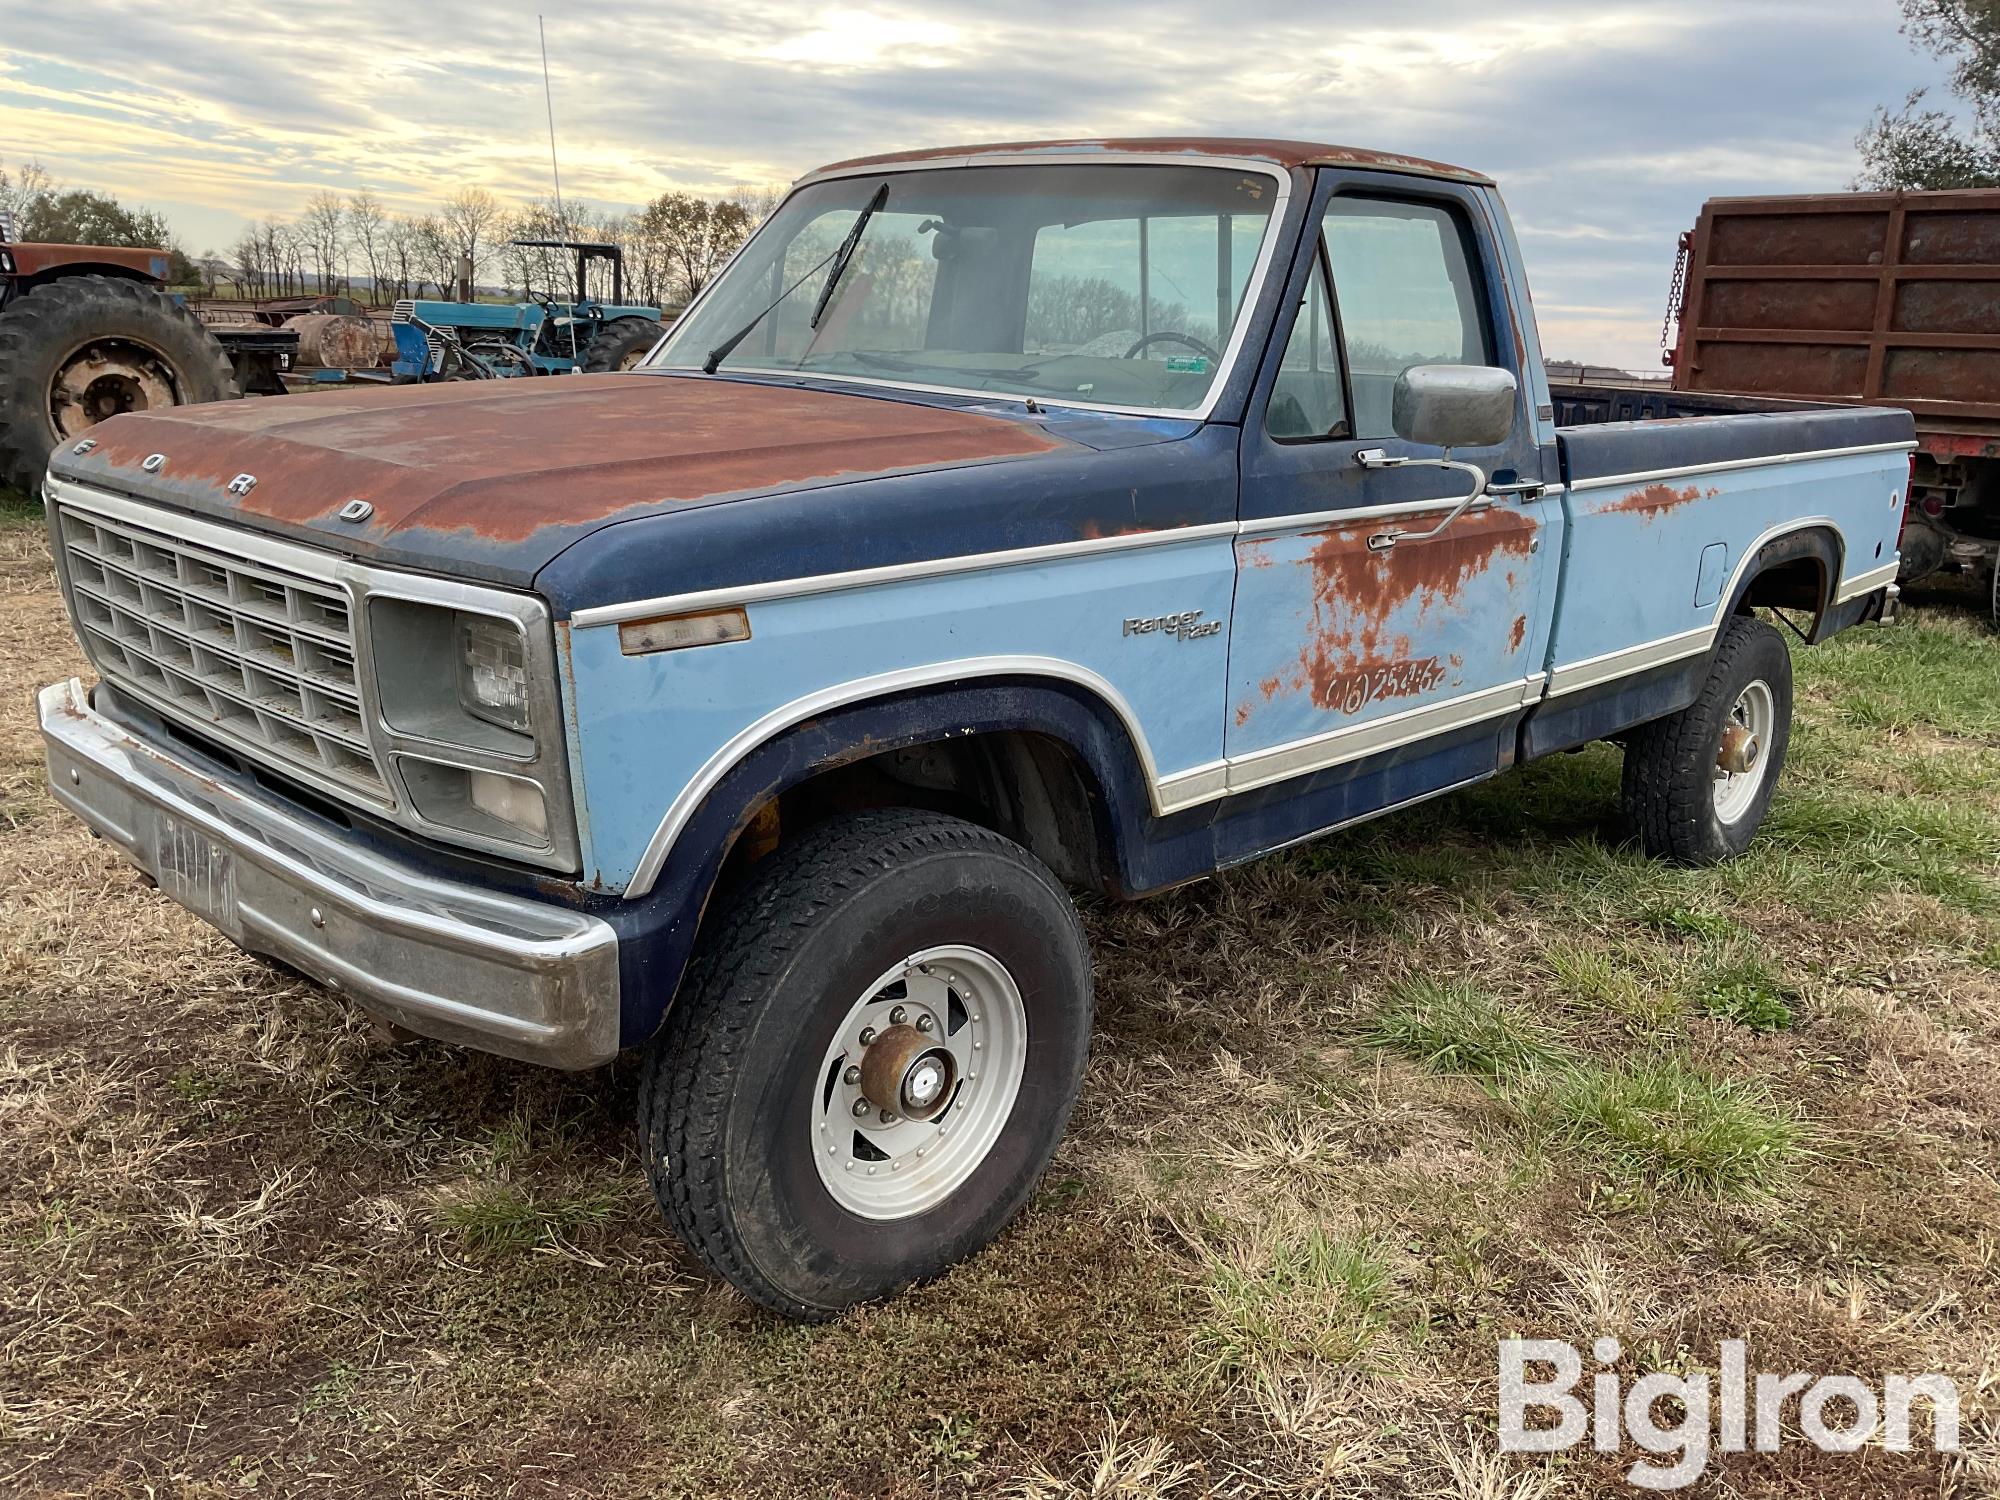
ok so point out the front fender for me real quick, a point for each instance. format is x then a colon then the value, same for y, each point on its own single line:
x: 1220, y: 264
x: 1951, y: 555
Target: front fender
x: 658, y: 929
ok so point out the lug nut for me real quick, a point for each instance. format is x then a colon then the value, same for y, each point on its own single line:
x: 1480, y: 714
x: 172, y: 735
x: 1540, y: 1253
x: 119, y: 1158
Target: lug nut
x: 861, y: 1107
x: 925, y: 1023
x: 888, y: 1118
x: 867, y: 1035
x: 852, y: 1076
x: 898, y: 1016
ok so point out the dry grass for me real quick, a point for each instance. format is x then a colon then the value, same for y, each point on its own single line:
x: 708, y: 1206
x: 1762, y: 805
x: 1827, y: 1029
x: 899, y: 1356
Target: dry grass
x: 1353, y: 1115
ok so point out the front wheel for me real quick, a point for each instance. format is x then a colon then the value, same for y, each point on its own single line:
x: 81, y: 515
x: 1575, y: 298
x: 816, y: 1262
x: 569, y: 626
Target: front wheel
x: 871, y: 1063
x: 1698, y: 782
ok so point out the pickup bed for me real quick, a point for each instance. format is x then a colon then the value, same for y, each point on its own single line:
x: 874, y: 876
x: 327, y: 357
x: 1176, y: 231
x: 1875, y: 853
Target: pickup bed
x: 1003, y: 521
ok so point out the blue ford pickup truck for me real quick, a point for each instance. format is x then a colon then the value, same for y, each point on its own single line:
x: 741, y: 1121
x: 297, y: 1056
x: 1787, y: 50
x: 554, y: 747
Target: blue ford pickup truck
x: 1003, y: 521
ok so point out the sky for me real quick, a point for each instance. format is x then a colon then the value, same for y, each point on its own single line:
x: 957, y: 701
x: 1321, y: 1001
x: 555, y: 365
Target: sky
x: 1605, y: 124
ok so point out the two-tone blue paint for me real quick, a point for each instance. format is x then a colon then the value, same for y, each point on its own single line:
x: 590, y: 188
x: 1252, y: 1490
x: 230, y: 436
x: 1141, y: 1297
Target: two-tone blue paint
x: 1342, y: 680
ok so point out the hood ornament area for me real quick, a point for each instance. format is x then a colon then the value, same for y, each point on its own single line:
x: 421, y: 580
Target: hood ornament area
x: 356, y: 511
x: 154, y: 462
x: 242, y: 484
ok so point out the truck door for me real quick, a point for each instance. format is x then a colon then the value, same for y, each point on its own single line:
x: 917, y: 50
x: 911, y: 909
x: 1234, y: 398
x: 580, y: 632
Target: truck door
x: 1357, y: 650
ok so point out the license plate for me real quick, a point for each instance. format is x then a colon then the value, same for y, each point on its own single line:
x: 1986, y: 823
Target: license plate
x: 197, y: 872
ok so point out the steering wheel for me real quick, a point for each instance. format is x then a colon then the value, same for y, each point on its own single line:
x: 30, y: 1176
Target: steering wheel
x: 1178, y: 338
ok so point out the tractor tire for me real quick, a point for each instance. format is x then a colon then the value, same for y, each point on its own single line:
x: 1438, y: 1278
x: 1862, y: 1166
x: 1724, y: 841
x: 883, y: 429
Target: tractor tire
x: 85, y: 348
x: 619, y: 345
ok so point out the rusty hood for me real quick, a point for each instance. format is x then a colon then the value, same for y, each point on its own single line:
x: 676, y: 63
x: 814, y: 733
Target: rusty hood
x: 492, y: 479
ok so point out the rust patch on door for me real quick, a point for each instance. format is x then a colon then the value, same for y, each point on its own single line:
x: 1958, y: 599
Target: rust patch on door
x: 1367, y: 605
x: 1519, y: 633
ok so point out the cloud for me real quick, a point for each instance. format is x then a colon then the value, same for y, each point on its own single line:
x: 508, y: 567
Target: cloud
x: 1606, y: 127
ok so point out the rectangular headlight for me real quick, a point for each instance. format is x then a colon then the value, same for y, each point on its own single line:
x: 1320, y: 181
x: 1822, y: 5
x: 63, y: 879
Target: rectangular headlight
x: 493, y: 670
x: 467, y: 710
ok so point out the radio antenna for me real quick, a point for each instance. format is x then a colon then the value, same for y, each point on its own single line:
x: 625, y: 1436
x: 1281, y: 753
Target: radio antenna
x: 555, y: 170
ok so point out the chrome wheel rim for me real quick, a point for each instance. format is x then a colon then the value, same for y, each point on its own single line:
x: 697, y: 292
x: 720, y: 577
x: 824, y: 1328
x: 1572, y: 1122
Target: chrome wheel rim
x: 1743, y: 760
x: 943, y: 1033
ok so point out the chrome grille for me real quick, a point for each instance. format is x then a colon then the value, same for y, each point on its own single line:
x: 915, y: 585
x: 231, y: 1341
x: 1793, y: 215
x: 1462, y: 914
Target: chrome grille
x: 261, y: 658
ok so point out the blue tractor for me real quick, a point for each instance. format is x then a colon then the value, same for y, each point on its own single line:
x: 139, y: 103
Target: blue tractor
x: 541, y: 336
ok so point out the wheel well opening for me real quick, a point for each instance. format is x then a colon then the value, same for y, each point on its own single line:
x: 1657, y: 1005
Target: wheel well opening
x: 1027, y: 786
x: 1798, y: 583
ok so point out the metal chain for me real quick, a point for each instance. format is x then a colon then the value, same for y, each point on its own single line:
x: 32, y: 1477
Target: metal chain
x: 1676, y: 294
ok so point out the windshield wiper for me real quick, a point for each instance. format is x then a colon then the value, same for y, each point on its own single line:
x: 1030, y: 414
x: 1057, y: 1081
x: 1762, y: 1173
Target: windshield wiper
x: 845, y: 253
x: 845, y: 250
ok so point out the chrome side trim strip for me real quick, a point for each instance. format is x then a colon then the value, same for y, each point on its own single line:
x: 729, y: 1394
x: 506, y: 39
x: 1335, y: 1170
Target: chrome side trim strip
x: 718, y: 765
x: 1575, y: 676
x: 859, y: 578
x: 1352, y: 742
x: 1315, y: 519
x: 1868, y: 583
x: 1613, y: 481
x: 1192, y: 787
x: 973, y: 562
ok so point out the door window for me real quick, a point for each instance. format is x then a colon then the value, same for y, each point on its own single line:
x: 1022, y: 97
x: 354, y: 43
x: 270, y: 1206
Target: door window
x: 1404, y: 280
x: 1309, y: 399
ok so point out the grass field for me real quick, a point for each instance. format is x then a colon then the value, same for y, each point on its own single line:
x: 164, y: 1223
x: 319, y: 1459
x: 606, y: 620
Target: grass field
x: 1353, y: 1114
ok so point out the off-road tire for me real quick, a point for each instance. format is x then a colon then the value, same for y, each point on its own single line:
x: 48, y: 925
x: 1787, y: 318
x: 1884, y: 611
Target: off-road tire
x: 40, y: 331
x: 1670, y: 782
x: 618, y: 344
x: 728, y: 1087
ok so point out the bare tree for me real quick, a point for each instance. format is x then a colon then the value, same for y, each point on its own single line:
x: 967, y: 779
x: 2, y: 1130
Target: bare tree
x: 323, y: 231
x: 292, y: 249
x: 437, y: 253
x: 469, y: 218
x: 758, y: 203
x: 400, y: 252
x: 692, y: 237
x: 248, y: 253
x: 21, y: 191
x: 367, y: 228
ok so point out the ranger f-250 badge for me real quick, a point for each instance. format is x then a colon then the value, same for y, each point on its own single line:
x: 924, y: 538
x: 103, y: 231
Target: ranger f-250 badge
x: 1188, y: 625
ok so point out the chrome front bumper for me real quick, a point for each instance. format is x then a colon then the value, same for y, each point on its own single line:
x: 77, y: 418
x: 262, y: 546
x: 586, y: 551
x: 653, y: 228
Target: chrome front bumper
x: 448, y: 959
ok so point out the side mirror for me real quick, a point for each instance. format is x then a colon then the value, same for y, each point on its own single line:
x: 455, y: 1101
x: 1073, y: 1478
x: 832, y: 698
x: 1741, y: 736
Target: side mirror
x: 1454, y: 406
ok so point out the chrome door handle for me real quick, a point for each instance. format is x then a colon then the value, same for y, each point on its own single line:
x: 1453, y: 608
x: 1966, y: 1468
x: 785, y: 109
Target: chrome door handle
x: 1376, y: 458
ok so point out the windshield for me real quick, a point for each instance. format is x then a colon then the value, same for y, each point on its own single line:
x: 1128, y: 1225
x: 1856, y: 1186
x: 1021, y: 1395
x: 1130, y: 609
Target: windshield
x: 1105, y: 285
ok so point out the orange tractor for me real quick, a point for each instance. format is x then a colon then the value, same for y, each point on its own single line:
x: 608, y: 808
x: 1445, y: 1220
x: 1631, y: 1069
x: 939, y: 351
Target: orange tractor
x: 88, y: 331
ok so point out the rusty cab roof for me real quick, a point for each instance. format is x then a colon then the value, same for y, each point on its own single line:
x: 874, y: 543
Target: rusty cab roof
x: 1277, y: 152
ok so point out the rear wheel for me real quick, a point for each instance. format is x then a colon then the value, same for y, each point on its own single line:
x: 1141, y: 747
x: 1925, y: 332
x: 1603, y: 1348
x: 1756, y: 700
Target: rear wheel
x: 85, y: 348
x: 871, y: 1063
x: 1698, y: 782
x: 620, y: 344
